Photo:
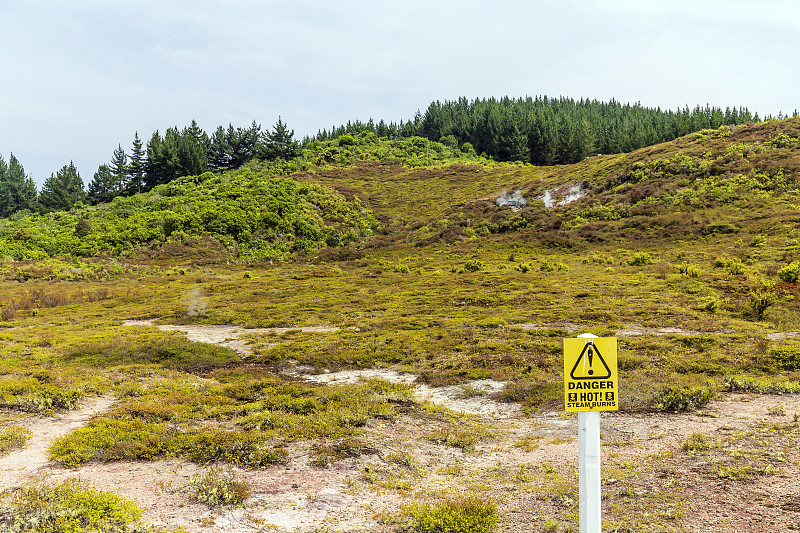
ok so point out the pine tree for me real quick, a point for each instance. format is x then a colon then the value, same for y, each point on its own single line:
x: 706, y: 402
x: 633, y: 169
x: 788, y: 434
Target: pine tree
x: 135, y: 178
x: 154, y: 168
x: 104, y: 186
x: 17, y: 190
x: 62, y: 190
x: 279, y: 143
x: 219, y: 149
x: 119, y: 171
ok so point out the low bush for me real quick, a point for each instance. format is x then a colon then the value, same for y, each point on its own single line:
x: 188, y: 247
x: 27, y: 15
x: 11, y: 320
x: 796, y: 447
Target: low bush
x: 640, y: 259
x: 69, y: 507
x: 762, y: 386
x: 31, y: 395
x: 760, y: 301
x: 790, y: 273
x: 130, y: 440
x: 459, y: 516
x: 217, y: 487
x: 786, y: 358
x: 13, y: 436
x: 681, y: 398
x: 462, y: 440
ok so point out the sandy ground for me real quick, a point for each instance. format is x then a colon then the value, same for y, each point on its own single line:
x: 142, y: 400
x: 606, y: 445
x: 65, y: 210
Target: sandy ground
x: 302, y: 498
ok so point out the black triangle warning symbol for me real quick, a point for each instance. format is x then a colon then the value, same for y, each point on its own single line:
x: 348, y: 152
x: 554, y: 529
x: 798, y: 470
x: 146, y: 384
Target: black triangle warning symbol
x: 590, y: 364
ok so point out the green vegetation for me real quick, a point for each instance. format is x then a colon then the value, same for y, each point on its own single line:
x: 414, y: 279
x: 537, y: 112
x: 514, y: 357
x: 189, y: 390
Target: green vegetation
x: 13, y: 436
x: 369, y: 253
x: 245, y: 213
x: 69, y: 507
x: 247, y: 419
x: 217, y: 487
x: 465, y: 516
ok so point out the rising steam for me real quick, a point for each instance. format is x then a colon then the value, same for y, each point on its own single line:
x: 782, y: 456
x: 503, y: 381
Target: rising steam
x: 196, y: 304
x: 512, y: 199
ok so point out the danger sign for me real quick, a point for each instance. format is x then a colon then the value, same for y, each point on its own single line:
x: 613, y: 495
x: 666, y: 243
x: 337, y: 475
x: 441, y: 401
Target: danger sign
x: 590, y: 374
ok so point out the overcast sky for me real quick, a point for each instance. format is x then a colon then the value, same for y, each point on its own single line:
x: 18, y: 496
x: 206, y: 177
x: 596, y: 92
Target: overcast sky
x: 80, y: 77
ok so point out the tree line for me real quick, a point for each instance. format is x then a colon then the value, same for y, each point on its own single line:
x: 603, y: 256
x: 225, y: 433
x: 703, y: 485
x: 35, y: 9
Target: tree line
x: 188, y: 152
x: 176, y: 153
x: 549, y: 131
x: 541, y: 131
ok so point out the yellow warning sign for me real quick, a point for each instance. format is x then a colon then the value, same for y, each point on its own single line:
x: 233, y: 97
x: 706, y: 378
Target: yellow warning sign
x: 590, y: 374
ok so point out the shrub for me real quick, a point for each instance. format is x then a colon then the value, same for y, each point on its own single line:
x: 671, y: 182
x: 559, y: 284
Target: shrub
x: 523, y: 267
x: 786, y: 358
x: 462, y: 516
x: 171, y: 351
x: 709, y: 304
x: 790, y: 273
x: 549, y: 266
x: 760, y: 301
x: 697, y: 442
x: 690, y: 271
x: 640, y: 259
x: 462, y: 440
x: 473, y: 265
x: 681, y: 398
x: 323, y: 455
x: 69, y: 507
x: 735, y: 267
x: 216, y: 487
x: 13, y: 436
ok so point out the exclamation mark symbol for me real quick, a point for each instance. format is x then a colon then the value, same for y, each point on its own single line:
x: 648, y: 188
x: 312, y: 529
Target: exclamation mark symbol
x: 590, y: 354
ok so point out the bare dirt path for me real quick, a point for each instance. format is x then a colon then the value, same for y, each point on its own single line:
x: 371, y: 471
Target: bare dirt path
x: 19, y: 466
x: 227, y: 336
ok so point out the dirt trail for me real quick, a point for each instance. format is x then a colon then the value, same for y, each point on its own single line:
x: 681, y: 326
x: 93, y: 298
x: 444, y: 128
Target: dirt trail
x: 227, y: 336
x: 19, y: 466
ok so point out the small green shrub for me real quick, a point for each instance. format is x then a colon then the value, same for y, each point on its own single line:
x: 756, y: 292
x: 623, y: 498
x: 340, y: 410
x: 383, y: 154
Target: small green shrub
x: 69, y: 507
x: 690, y: 271
x: 681, y: 398
x: 323, y: 454
x: 710, y: 304
x: 473, y: 265
x: 786, y: 358
x: 462, y: 516
x: 697, y: 442
x: 790, y: 273
x: 457, y: 439
x: 640, y: 259
x: 760, y: 301
x: 735, y: 267
x: 553, y: 266
x: 217, y: 487
x: 13, y: 436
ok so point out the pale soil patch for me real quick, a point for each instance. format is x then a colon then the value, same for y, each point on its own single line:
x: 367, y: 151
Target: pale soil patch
x: 17, y: 467
x: 227, y: 336
x: 471, y: 398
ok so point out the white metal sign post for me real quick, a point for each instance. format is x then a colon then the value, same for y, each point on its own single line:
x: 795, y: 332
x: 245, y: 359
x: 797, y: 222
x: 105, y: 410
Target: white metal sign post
x: 590, y: 386
x: 589, y: 471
